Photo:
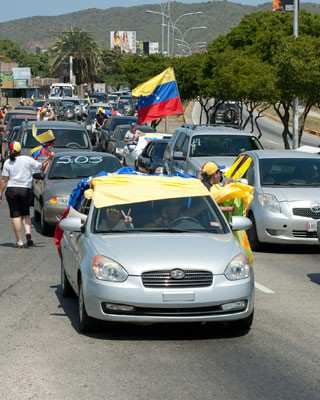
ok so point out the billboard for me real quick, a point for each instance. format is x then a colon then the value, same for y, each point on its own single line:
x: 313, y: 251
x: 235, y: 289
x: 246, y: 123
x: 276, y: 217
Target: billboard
x: 124, y: 41
x: 21, y: 73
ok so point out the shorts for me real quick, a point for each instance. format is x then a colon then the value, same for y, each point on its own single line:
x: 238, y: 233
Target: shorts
x: 19, y: 200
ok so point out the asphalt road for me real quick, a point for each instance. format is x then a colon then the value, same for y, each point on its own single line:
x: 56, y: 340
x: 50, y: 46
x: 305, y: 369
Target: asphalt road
x: 42, y: 355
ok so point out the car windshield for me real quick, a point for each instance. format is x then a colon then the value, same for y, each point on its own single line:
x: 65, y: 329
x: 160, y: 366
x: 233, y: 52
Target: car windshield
x: 222, y: 145
x: 188, y: 214
x: 18, y: 121
x: 290, y: 172
x: 81, y: 166
x: 74, y: 139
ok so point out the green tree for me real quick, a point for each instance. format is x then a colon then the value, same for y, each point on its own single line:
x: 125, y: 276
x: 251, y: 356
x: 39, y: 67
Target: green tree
x: 290, y: 66
x: 85, y: 52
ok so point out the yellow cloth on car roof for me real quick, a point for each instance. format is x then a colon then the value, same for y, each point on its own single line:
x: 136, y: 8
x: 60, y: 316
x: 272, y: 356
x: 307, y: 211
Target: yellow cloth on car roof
x: 125, y: 189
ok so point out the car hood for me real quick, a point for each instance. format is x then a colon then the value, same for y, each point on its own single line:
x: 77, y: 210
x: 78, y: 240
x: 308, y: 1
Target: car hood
x: 60, y: 187
x: 138, y: 253
x: 223, y: 162
x: 294, y: 194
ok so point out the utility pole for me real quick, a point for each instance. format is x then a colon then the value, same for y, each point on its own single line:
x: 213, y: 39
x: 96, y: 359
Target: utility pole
x: 295, y: 124
x: 169, y: 27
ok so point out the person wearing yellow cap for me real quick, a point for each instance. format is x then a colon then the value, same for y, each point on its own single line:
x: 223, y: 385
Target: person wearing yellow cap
x: 16, y: 182
x: 210, y: 174
x: 101, y: 118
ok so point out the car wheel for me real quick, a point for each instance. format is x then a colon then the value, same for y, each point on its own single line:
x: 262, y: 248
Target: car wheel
x: 255, y: 243
x: 45, y: 228
x: 86, y: 323
x: 242, y: 326
x: 66, y: 288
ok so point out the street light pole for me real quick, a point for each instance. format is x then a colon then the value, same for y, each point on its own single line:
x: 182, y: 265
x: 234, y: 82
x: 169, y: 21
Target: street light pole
x: 295, y: 141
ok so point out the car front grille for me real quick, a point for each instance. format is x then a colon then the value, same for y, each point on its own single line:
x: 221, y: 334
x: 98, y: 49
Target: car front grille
x: 163, y: 279
x: 306, y: 212
x: 304, y: 234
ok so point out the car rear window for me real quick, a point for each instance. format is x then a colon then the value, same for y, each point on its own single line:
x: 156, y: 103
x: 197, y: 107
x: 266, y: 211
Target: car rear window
x: 81, y: 166
x: 65, y: 138
x: 290, y: 172
x: 222, y: 145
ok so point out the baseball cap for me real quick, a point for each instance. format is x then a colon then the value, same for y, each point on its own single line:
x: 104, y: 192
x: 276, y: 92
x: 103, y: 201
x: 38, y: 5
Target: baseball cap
x: 210, y: 168
x: 15, y: 147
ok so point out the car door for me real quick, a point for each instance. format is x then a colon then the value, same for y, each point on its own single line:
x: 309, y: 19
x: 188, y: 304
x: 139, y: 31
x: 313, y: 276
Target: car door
x: 76, y: 248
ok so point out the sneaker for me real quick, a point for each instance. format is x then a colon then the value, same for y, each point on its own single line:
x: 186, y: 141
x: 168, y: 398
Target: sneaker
x: 29, y: 240
x: 19, y: 245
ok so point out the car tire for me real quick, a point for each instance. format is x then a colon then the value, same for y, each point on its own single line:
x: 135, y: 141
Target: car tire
x: 255, y: 243
x: 86, y: 323
x: 45, y: 228
x: 242, y: 326
x: 66, y: 288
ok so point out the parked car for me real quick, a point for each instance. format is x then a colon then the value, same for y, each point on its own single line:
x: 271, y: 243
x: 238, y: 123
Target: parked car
x: 192, y: 146
x: 151, y: 161
x: 52, y: 189
x: 68, y: 136
x: 202, y: 274
x: 286, y: 205
x: 110, y: 126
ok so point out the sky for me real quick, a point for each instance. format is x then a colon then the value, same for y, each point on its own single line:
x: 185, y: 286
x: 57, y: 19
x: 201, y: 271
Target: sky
x: 14, y: 9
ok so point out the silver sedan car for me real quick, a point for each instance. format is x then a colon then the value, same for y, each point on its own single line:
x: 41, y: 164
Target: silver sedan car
x: 286, y: 205
x: 52, y: 189
x: 173, y: 260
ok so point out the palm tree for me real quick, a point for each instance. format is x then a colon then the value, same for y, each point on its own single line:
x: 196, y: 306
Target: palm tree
x: 84, y: 50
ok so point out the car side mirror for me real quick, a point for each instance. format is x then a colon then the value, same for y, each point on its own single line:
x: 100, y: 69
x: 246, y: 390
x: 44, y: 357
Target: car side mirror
x: 179, y: 156
x: 240, y: 224
x: 38, y: 176
x: 71, y: 224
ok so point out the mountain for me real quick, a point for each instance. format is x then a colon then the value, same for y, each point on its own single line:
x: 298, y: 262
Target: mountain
x: 218, y: 16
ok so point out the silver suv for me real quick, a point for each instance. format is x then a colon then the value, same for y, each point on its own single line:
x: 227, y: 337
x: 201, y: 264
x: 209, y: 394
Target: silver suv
x: 192, y: 146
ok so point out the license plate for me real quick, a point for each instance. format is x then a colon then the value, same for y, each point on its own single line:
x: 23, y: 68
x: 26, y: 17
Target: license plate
x: 178, y: 297
x: 311, y: 226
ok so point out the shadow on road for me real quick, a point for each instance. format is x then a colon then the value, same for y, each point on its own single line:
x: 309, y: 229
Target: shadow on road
x: 124, y: 331
x: 314, y: 278
x: 290, y: 249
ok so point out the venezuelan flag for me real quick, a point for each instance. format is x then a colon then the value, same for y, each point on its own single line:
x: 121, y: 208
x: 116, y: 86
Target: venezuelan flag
x: 159, y: 97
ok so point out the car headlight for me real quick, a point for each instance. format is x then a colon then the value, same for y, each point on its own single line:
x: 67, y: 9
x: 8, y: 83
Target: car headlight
x: 58, y: 201
x: 106, y: 269
x: 270, y: 202
x: 238, y: 268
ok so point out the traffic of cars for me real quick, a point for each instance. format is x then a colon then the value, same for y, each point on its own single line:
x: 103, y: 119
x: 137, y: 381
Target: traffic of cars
x: 113, y: 238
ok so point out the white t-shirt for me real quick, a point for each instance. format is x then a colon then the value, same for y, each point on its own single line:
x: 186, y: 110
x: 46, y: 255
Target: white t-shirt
x: 20, y: 171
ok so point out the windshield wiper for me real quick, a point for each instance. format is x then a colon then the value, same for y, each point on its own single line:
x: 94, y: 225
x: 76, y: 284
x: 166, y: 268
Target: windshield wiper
x: 59, y: 177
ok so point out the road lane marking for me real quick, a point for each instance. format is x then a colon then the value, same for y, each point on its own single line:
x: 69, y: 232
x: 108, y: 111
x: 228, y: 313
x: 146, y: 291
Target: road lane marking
x: 263, y: 289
